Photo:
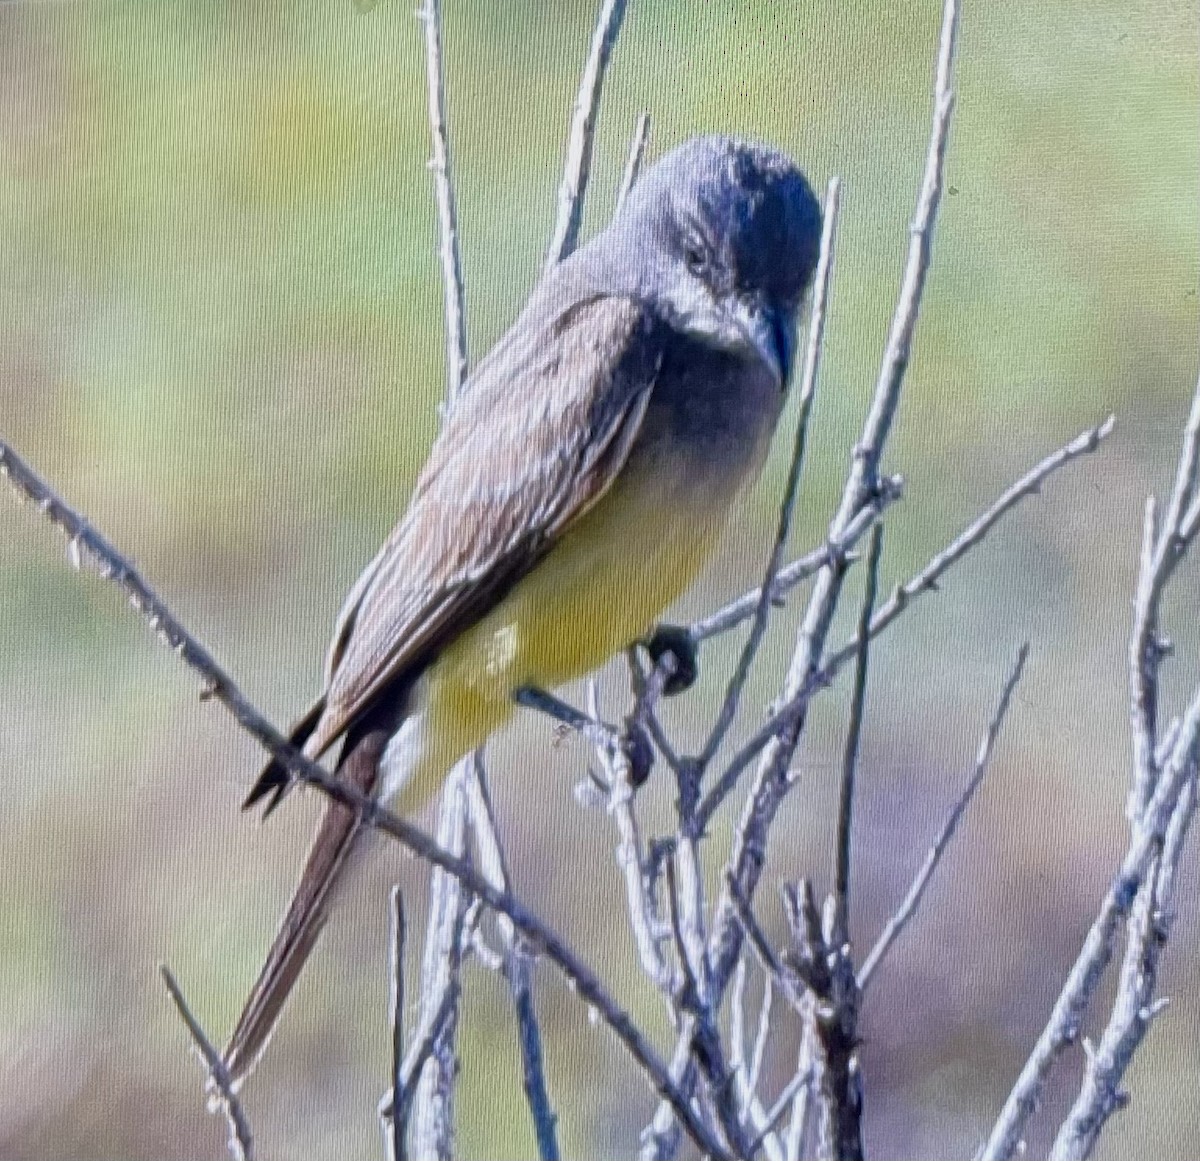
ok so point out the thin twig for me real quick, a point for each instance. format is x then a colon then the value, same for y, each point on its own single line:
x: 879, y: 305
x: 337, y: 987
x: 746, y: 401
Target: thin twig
x: 1144, y: 652
x: 446, y: 937
x: 1063, y: 1026
x: 775, y: 1113
x: 398, y: 1106
x: 633, y: 163
x: 806, y: 396
x: 1162, y: 551
x: 799, y: 570
x: 758, y: 1053
x: 767, y: 959
x: 845, y: 816
x: 927, y: 580
x: 912, y: 899
x: 802, y: 1103
x: 241, y: 1140
x: 517, y: 964
x: 619, y: 787
x: 453, y: 293
x: 1135, y: 1007
x: 395, y: 1127
x: 573, y: 189
x: 746, y: 1075
x: 220, y: 686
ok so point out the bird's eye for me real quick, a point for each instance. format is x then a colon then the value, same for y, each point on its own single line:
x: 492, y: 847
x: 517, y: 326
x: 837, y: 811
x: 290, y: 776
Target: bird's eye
x: 696, y: 258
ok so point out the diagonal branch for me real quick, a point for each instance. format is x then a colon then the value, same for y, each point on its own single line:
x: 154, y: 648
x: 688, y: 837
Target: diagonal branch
x: 573, y: 189
x: 927, y: 579
x: 799, y: 570
x: 220, y: 686
x: 912, y: 900
x: 1135, y: 1007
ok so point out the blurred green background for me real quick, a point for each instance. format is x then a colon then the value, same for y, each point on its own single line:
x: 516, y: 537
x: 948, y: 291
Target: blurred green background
x: 220, y: 337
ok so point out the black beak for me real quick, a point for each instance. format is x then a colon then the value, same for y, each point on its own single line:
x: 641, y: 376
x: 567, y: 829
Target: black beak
x: 769, y: 335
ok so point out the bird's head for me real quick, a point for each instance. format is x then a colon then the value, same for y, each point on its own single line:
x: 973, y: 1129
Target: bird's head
x: 727, y: 235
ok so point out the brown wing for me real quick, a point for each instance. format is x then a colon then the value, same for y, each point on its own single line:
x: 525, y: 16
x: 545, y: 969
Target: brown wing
x: 537, y: 438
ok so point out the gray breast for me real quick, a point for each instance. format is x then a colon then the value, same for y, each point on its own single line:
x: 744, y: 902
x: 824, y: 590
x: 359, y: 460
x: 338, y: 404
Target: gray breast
x: 713, y: 407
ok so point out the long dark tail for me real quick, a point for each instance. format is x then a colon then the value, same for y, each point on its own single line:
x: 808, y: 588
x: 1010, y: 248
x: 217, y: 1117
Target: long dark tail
x: 328, y: 859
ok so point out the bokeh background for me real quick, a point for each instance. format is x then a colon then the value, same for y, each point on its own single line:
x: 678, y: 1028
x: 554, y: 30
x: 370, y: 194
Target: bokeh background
x: 220, y: 337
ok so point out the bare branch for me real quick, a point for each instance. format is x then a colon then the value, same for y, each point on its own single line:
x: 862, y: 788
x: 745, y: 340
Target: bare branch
x: 802, y: 1103
x: 758, y: 1053
x: 746, y: 1075
x: 927, y: 579
x: 1062, y: 1028
x: 912, y: 900
x: 633, y: 163
x: 845, y: 817
x: 397, y: 1106
x: 221, y: 687
x: 517, y: 964
x: 1134, y: 1009
x: 770, y: 963
x: 619, y: 787
x: 430, y: 14
x: 241, y: 1141
x: 394, y: 1126
x: 774, y: 1116
x: 821, y: 957
x: 1162, y: 551
x: 446, y: 938
x: 647, y: 692
x: 1144, y: 653
x: 573, y: 189
x: 806, y: 396
x: 799, y: 570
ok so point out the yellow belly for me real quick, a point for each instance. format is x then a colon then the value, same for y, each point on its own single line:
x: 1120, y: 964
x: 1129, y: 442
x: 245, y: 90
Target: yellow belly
x: 603, y: 586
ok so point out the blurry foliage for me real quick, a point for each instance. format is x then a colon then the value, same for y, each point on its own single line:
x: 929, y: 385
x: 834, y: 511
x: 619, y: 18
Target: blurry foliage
x: 220, y: 335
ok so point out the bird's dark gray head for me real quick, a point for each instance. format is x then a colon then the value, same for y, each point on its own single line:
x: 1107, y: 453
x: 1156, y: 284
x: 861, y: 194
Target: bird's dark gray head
x: 725, y: 236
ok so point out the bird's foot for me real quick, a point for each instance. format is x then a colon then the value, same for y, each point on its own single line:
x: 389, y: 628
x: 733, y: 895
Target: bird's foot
x: 672, y: 646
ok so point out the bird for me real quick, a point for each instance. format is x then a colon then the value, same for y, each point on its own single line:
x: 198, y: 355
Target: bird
x: 579, y: 480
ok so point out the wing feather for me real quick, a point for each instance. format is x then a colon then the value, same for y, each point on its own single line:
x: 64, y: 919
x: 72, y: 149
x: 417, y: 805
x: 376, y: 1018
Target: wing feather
x: 536, y: 439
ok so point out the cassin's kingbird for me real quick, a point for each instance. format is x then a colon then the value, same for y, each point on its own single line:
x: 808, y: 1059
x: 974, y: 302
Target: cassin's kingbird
x: 578, y: 482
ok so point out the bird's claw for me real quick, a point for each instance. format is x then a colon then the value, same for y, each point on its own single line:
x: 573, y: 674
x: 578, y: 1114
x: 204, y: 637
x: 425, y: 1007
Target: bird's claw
x: 672, y: 646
